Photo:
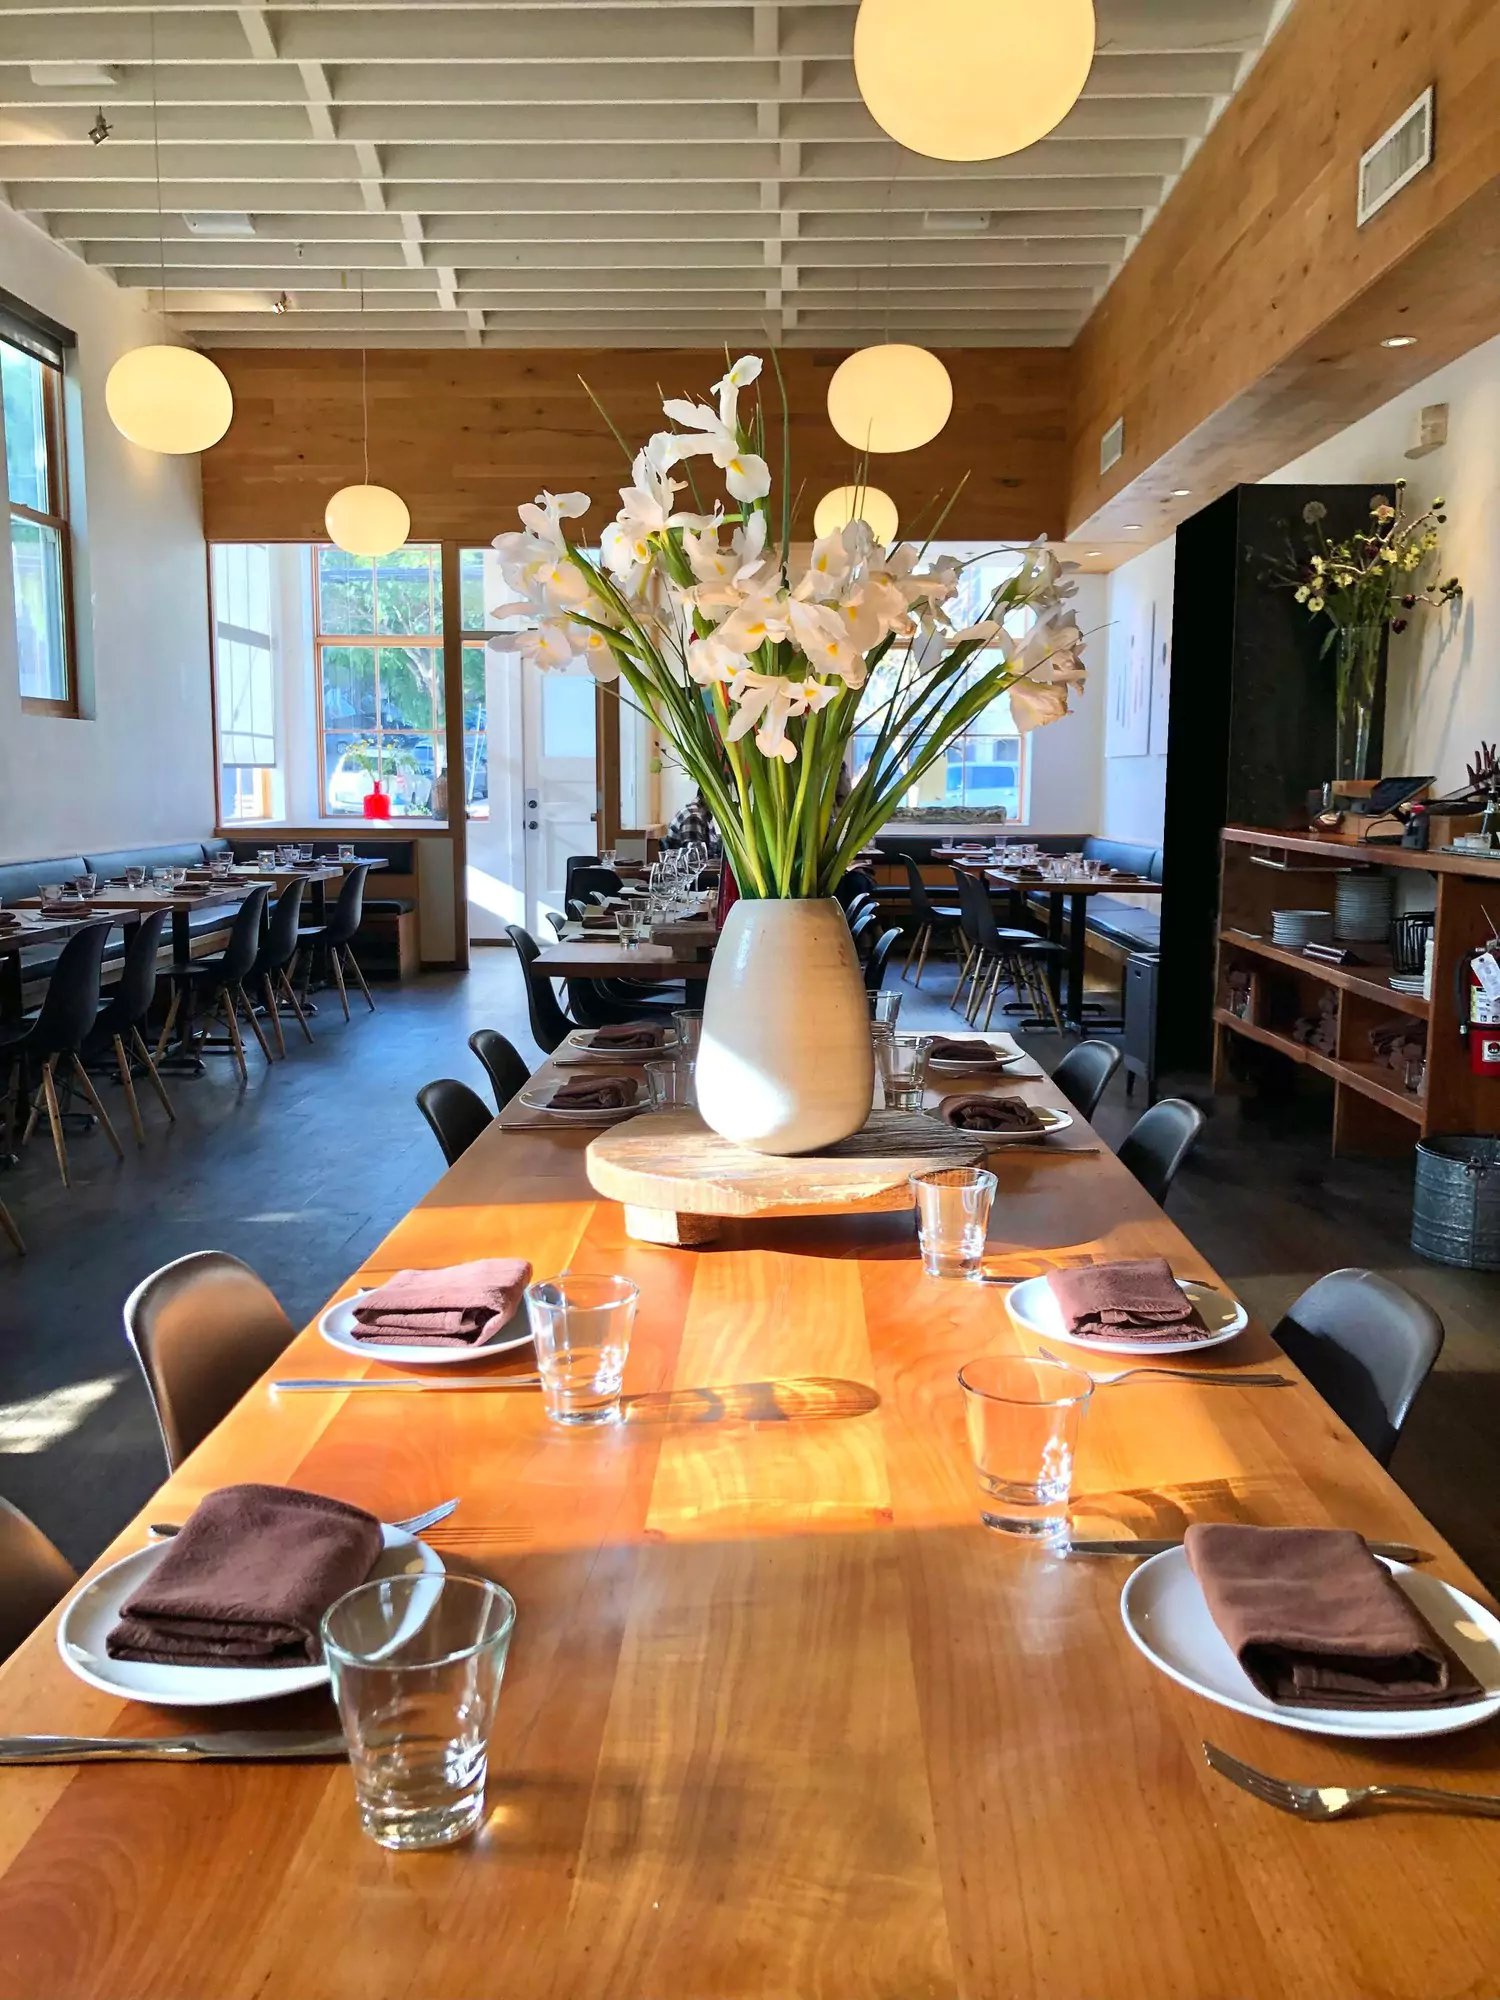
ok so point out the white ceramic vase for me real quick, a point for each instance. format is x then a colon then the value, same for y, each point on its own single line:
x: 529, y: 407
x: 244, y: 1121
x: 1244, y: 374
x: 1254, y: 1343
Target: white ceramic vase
x: 785, y: 1064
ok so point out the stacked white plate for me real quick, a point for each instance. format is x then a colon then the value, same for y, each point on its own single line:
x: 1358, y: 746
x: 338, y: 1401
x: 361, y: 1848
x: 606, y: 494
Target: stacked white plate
x: 1292, y: 929
x: 1362, y: 908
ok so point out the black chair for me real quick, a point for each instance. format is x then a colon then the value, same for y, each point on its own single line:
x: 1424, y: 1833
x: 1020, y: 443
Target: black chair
x: 503, y: 1064
x: 456, y: 1114
x: 337, y: 934
x: 586, y: 882
x: 999, y: 955
x: 880, y: 958
x: 549, y: 1024
x: 116, y: 1032
x: 1367, y: 1345
x: 929, y: 917
x: 276, y: 961
x: 60, y: 1031
x: 1159, y: 1142
x: 855, y: 882
x: 219, y: 982
x: 1084, y: 1073
x: 864, y: 929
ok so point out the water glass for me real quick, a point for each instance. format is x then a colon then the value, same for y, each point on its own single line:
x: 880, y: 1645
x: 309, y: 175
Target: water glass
x: 609, y: 857
x: 953, y: 1218
x: 85, y: 884
x: 50, y: 893
x: 134, y: 877
x: 1023, y: 1419
x: 416, y: 1663
x: 885, y: 1007
x: 346, y: 850
x: 687, y: 1026
x: 630, y: 928
x: 903, y: 1069
x: 670, y: 1086
x: 265, y: 857
x: 580, y: 1327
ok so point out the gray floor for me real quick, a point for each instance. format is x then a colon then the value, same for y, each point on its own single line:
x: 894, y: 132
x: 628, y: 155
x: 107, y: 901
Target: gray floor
x: 303, y: 1171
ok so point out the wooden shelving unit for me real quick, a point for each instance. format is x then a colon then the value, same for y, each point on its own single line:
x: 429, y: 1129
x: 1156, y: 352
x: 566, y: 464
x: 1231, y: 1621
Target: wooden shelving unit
x: 1372, y: 1111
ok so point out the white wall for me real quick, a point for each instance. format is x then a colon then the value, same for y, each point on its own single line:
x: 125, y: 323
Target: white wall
x: 1132, y: 787
x: 1066, y: 756
x: 138, y: 766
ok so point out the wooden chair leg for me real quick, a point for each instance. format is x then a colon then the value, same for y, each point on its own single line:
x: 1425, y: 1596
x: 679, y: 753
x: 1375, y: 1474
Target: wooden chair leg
x: 913, y: 946
x: 240, y: 998
x: 338, y: 973
x: 976, y: 991
x: 353, y: 964
x: 97, y: 1102
x: 54, y: 1119
x: 167, y: 1026
x: 290, y: 991
x: 157, y: 1085
x: 123, y: 1062
x: 926, y: 946
x: 8, y: 1226
x: 227, y: 1004
x: 268, y: 987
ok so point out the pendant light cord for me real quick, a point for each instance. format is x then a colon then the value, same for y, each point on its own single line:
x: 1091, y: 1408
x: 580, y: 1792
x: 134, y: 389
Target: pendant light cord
x: 364, y: 379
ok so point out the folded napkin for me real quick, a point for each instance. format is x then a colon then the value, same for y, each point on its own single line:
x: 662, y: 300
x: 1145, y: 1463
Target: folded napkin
x: 1133, y: 1301
x: 463, y: 1305
x: 598, y: 920
x: 967, y: 1049
x: 600, y: 1093
x: 628, y: 1035
x: 247, y: 1581
x: 1317, y: 1622
x: 990, y: 1114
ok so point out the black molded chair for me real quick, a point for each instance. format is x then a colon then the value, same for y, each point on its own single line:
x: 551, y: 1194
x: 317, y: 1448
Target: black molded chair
x: 549, y: 1024
x: 929, y: 917
x: 880, y: 958
x: 338, y: 933
x: 503, y: 1064
x: 456, y: 1114
x: 586, y: 882
x: 34, y: 1577
x: 1084, y: 1073
x: 276, y: 961
x: 1159, y: 1142
x: 864, y: 928
x: 855, y: 882
x: 116, y: 1031
x: 1001, y: 955
x: 58, y: 1033
x: 1367, y: 1345
x: 219, y: 982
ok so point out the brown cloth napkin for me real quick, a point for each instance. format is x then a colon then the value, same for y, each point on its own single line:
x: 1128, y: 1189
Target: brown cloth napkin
x: 1134, y: 1301
x: 247, y: 1581
x: 463, y: 1305
x: 1317, y: 1622
x: 968, y: 1050
x: 627, y: 1035
x: 990, y: 1114
x: 600, y: 1093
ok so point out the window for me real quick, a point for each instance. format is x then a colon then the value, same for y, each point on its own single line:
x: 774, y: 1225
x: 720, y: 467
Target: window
x: 36, y: 479
x: 380, y: 679
x: 245, y: 680
x: 477, y: 625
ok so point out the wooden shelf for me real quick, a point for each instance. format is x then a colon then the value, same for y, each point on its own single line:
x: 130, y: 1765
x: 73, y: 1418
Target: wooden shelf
x: 1364, y: 980
x: 1371, y: 1080
x: 1340, y: 852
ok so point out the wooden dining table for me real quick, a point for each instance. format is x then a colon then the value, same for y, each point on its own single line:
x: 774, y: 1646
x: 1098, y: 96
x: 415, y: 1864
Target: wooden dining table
x: 781, y: 1717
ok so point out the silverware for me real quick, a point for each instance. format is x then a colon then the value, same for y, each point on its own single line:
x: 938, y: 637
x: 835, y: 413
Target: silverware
x: 1401, y: 1552
x: 1206, y: 1377
x: 412, y: 1526
x: 1320, y: 1802
x: 228, y: 1746
x: 433, y: 1381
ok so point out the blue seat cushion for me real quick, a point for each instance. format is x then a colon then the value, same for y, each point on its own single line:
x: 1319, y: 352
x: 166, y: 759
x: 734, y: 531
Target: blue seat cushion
x: 25, y: 878
x: 1122, y: 923
x: 1131, y: 857
x: 389, y: 906
x: 114, y: 861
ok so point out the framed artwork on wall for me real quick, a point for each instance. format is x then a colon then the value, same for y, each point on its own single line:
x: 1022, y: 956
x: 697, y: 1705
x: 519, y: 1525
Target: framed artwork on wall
x: 1129, y: 729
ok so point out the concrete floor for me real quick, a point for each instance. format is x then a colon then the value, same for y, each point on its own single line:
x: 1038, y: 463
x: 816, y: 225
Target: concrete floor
x: 302, y: 1172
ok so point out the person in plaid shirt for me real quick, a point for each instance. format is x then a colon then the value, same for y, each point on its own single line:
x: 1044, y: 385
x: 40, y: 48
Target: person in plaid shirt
x: 693, y: 822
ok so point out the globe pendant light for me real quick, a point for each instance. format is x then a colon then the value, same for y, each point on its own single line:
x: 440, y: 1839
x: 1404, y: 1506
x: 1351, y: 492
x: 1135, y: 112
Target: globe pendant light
x: 857, y: 503
x: 890, y: 398
x: 971, y: 79
x: 366, y: 520
x: 168, y: 399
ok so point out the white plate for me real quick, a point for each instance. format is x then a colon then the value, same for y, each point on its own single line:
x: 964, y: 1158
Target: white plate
x: 1033, y: 1306
x: 94, y: 1610
x: 1052, y: 1121
x: 579, y: 1047
x: 1004, y: 1059
x: 337, y: 1328
x: 537, y: 1097
x: 1165, y: 1614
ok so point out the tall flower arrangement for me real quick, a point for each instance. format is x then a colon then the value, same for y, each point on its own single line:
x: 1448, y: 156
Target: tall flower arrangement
x: 755, y: 678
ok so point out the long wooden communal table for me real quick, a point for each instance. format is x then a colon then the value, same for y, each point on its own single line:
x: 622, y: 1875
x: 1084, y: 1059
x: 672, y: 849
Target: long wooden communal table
x: 781, y: 1717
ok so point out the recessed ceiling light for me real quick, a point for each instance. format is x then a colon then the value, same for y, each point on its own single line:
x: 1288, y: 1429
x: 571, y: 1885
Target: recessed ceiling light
x: 1182, y: 492
x: 76, y: 75
x: 1132, y: 527
x: 1400, y: 340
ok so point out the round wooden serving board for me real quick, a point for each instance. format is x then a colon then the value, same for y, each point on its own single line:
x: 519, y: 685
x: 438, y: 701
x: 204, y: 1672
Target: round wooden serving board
x: 675, y: 1177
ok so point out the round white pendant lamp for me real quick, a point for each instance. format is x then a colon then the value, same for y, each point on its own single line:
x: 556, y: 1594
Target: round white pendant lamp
x: 857, y: 503
x: 367, y: 520
x: 971, y: 79
x: 890, y: 398
x: 169, y: 399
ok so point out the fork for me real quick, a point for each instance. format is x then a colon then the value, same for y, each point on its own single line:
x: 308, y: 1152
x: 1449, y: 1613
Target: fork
x: 164, y: 1530
x: 1323, y: 1802
x: 1208, y: 1378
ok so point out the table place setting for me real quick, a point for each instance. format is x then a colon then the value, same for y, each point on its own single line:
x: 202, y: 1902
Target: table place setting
x: 435, y: 1318
x: 591, y: 1100
x: 1131, y: 1307
x: 608, y: 1044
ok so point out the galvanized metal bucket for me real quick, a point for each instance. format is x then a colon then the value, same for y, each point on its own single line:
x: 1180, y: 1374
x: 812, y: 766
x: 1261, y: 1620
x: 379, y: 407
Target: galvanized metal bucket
x: 1455, y: 1216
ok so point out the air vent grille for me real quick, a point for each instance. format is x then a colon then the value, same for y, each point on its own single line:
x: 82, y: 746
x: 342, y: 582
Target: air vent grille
x: 1112, y: 445
x: 219, y: 222
x: 1396, y: 158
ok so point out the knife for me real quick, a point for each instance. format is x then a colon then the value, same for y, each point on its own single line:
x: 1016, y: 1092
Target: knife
x: 229, y: 1746
x: 1401, y: 1552
x: 434, y: 1381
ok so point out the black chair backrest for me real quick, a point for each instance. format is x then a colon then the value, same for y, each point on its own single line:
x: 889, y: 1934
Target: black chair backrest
x: 586, y: 882
x: 1084, y: 1072
x: 280, y: 946
x: 456, y: 1114
x: 243, y: 948
x: 856, y: 882
x: 1159, y: 1142
x: 350, y: 907
x: 880, y: 958
x: 1367, y: 1345
x: 864, y: 929
x: 503, y: 1065
x: 922, y: 907
x: 129, y: 1000
x: 976, y: 912
x: 857, y: 906
x: 70, y: 1005
x: 549, y: 1024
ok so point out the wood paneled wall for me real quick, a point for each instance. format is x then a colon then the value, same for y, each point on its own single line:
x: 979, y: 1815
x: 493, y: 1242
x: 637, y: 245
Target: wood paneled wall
x: 465, y: 436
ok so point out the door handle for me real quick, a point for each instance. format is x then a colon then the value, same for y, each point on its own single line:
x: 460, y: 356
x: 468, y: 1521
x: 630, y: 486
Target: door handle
x: 531, y: 826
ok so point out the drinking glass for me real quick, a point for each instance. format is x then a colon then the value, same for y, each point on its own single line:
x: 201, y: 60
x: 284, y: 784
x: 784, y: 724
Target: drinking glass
x: 265, y: 857
x: 50, y: 893
x: 631, y: 928
x: 85, y: 884
x: 609, y: 857
x: 580, y: 1327
x: 903, y: 1069
x: 670, y: 1086
x: 953, y: 1216
x: 687, y: 1025
x: 416, y: 1663
x: 162, y: 881
x: 134, y: 877
x: 885, y: 1007
x: 346, y: 850
x: 1023, y: 1419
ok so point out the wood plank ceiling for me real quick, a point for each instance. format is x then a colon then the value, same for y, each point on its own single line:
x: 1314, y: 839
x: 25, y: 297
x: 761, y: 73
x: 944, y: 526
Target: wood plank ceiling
x: 585, y: 172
